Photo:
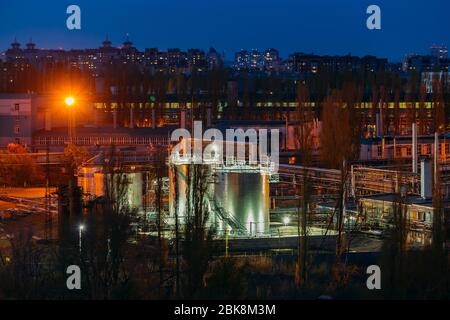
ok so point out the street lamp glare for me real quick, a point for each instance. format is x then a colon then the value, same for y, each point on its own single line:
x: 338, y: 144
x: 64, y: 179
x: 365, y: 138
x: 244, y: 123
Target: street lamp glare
x: 69, y: 101
x: 81, y: 227
x: 286, y: 220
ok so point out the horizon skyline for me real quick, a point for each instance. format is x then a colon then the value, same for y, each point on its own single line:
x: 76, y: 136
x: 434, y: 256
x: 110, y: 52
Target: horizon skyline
x: 206, y: 48
x: 323, y: 27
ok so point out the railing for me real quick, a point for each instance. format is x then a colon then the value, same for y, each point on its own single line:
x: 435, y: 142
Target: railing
x: 103, y: 140
x: 383, y: 180
x: 318, y: 177
x: 231, y: 164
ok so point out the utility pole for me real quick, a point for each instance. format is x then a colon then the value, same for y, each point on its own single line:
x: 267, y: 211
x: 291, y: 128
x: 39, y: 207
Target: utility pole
x: 226, y: 240
x: 341, y: 215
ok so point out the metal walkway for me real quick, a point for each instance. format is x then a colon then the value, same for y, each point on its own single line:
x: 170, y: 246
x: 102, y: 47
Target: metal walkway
x: 226, y: 217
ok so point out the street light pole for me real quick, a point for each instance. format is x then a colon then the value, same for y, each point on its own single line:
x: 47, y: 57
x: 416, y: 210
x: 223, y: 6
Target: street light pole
x: 70, y: 102
x: 80, y: 229
x: 70, y: 126
x: 286, y: 128
x: 226, y: 240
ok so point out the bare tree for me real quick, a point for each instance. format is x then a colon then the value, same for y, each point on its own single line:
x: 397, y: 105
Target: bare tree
x: 304, y: 136
x: 108, y: 229
x: 340, y: 145
x: 159, y: 169
x: 177, y: 230
x: 29, y: 272
x: 197, y: 246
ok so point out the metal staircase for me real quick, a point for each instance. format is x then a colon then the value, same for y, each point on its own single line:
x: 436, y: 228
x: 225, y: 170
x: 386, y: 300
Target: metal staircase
x: 218, y: 209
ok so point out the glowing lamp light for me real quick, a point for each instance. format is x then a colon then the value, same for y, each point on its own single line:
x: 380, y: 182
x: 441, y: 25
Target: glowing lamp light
x: 69, y: 101
x: 286, y: 220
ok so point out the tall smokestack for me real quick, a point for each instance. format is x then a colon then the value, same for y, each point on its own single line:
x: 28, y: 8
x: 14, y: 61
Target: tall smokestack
x: 208, y: 116
x: 395, y: 148
x: 96, y: 117
x: 378, y: 124
x: 115, y: 119
x: 183, y: 119
x: 381, y: 120
x: 414, y: 148
x: 436, y: 155
x: 153, y: 118
x: 131, y: 125
x: 426, y: 185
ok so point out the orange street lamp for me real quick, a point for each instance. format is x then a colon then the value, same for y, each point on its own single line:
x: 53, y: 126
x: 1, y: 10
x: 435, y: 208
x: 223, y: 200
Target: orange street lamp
x: 70, y: 101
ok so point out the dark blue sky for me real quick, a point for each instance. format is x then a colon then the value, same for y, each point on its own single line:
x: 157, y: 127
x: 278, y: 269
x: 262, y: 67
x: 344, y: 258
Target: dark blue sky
x: 319, y: 26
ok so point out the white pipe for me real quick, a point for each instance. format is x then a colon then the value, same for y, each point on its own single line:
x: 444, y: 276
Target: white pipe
x: 436, y: 155
x: 414, y: 148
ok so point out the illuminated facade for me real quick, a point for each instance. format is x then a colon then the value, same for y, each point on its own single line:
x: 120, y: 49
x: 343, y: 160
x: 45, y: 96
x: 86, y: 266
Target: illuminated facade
x: 96, y: 60
x: 439, y: 51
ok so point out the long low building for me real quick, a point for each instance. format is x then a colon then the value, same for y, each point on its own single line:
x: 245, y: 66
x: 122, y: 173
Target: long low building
x: 418, y: 211
x: 101, y: 138
x: 401, y: 147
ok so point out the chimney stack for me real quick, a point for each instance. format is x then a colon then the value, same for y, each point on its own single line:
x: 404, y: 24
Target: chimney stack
x: 208, y: 116
x: 153, y: 118
x: 183, y: 119
x: 378, y: 125
x: 426, y: 185
x: 436, y: 156
x: 414, y: 148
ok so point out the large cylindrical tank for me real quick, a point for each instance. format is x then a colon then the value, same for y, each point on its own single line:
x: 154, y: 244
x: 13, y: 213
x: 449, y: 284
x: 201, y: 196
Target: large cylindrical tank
x: 245, y: 196
x: 236, y: 200
x: 93, y: 182
x: 179, y: 174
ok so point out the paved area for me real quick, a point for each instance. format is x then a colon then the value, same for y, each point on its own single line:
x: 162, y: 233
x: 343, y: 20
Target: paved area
x: 11, y: 224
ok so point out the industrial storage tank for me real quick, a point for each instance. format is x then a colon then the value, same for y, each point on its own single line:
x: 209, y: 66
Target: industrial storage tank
x: 92, y: 180
x: 178, y: 196
x: 238, y: 202
x: 245, y: 197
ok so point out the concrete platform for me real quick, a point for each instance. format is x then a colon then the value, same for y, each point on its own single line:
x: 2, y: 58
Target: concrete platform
x: 315, y: 242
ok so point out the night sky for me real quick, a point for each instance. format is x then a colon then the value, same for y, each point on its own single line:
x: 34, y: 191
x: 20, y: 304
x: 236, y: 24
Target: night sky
x: 319, y: 26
